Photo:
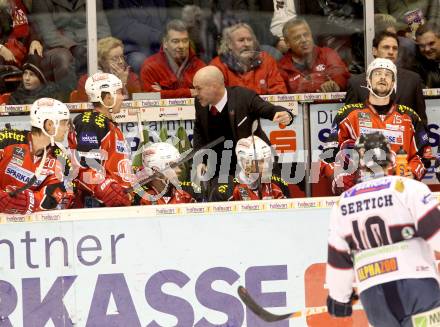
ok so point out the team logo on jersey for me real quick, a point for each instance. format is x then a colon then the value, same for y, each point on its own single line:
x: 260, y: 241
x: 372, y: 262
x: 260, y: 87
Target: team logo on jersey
x: 122, y: 147
x: 88, y: 138
x: 377, y: 268
x: 408, y: 232
x: 18, y: 156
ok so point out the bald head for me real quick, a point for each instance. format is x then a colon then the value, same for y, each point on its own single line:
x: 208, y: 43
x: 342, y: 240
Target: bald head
x: 209, y: 85
x: 209, y: 74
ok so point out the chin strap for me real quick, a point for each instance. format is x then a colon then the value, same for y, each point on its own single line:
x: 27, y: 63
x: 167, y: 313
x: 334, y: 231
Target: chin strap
x: 368, y: 87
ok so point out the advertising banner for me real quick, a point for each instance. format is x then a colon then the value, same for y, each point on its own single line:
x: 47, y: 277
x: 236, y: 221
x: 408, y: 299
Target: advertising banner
x: 167, y: 266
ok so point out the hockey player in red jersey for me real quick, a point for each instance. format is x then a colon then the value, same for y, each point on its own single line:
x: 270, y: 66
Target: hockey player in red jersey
x: 382, y: 236
x: 101, y: 153
x: 399, y: 124
x: 254, y: 178
x: 164, y: 186
x: 32, y: 166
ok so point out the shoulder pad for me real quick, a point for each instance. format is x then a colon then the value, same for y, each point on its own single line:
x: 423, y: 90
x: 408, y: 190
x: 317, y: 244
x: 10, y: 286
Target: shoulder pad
x: 92, y: 118
x: 223, y: 188
x: 189, y: 184
x: 279, y: 180
x: 407, y: 110
x: 345, y: 111
x: 12, y: 136
x: 350, y: 107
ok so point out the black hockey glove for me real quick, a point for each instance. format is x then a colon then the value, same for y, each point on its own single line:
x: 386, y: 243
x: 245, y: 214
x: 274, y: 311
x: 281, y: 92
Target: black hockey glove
x: 339, y: 309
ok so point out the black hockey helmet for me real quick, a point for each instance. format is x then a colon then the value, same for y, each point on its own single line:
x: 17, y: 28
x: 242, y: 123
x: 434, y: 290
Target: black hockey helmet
x: 373, y: 149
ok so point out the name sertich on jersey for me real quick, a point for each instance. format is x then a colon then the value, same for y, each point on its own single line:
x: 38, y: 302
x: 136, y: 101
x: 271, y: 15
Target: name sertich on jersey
x: 382, y: 230
x: 98, y: 141
x: 18, y: 165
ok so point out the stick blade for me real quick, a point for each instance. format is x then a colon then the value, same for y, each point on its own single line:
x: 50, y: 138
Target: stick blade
x: 257, y: 309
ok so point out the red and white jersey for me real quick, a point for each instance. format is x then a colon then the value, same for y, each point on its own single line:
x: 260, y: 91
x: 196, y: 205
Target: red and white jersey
x: 100, y: 150
x: 397, y: 126
x: 18, y: 165
x: 382, y: 230
x: 243, y: 192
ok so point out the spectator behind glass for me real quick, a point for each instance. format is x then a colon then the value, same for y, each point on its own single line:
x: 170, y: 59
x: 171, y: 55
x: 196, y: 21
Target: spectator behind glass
x: 34, y: 84
x: 16, y: 37
x: 243, y: 64
x: 138, y: 24
x: 309, y: 68
x: 409, y: 84
x: 428, y: 56
x: 283, y: 11
x: 171, y: 71
x: 401, y: 10
x: 111, y: 60
x: 63, y: 28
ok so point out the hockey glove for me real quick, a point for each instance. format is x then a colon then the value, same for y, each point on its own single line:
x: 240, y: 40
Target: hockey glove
x: 112, y: 194
x: 339, y: 309
x: 22, y: 203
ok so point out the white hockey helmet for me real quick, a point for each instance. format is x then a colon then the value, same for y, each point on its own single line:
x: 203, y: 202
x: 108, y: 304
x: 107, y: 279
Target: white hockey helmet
x: 102, y: 82
x: 246, y: 154
x: 48, y: 109
x: 385, y: 64
x: 159, y: 156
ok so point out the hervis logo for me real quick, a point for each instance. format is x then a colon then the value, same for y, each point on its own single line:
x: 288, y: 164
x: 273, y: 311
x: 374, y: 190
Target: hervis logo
x: 427, y: 319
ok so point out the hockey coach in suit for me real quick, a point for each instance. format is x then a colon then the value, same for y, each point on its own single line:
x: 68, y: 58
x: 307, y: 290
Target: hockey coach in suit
x: 229, y: 112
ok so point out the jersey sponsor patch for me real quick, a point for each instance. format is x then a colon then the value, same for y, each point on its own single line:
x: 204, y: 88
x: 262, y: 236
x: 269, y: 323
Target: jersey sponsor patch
x: 393, y: 127
x: 372, y: 186
x: 21, y: 174
x: 122, y: 147
x: 88, y: 138
x: 393, y: 137
x: 377, y: 268
x: 18, y: 156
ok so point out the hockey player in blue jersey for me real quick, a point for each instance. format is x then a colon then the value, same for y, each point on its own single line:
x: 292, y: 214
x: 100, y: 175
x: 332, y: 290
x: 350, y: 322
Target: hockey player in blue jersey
x: 383, y: 235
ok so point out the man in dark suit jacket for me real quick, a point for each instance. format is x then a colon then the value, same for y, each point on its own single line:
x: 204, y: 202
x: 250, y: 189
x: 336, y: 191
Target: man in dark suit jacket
x: 228, y: 112
x: 409, y: 84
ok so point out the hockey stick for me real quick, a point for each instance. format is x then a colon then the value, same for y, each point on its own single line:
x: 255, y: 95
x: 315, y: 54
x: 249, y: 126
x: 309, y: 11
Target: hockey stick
x: 253, y: 129
x: 186, y: 156
x: 272, y: 317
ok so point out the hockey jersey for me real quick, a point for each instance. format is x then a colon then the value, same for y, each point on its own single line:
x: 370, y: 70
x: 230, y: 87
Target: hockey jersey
x: 382, y: 230
x: 99, y: 151
x: 235, y: 190
x: 18, y: 165
x: 150, y: 196
x: 400, y: 126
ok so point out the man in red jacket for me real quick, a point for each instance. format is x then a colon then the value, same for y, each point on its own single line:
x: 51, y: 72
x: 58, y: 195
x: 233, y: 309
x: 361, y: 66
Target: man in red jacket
x: 307, y: 68
x: 171, y: 71
x: 243, y: 64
